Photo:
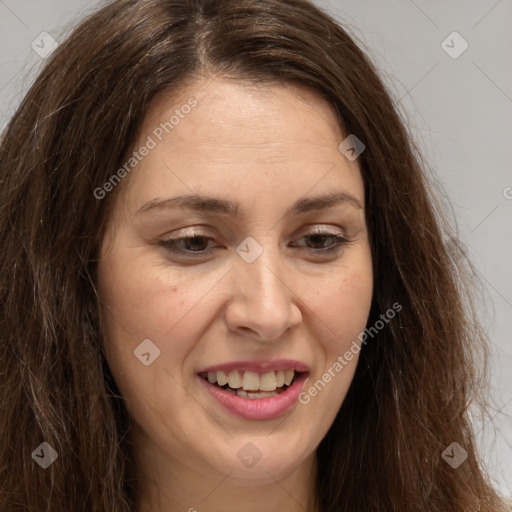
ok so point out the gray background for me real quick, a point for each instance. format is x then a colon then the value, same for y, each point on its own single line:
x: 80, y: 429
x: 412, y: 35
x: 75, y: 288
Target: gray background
x: 459, y: 110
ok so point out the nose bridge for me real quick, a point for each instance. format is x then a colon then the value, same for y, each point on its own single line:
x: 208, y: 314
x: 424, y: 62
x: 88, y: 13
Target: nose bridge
x: 262, y: 279
x: 262, y: 301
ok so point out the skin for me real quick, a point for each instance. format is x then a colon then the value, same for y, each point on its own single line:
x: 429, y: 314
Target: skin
x: 264, y: 148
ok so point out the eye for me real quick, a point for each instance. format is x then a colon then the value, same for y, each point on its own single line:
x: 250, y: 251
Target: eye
x: 320, y: 241
x: 193, y: 245
x: 196, y: 244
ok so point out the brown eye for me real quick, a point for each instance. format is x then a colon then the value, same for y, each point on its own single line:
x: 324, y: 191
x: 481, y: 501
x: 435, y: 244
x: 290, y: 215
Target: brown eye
x: 324, y: 242
x: 196, y: 245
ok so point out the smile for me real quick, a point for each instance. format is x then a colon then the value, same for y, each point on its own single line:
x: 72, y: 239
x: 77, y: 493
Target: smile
x: 254, y: 394
x: 248, y: 384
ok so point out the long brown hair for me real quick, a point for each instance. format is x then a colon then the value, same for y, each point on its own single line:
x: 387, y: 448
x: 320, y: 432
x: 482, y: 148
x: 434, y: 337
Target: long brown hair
x: 414, y: 381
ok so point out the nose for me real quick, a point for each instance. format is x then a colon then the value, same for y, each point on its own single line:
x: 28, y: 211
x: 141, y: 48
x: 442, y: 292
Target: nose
x: 265, y: 301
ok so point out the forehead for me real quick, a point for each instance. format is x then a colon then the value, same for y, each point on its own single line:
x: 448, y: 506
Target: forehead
x: 223, y: 101
x: 221, y: 137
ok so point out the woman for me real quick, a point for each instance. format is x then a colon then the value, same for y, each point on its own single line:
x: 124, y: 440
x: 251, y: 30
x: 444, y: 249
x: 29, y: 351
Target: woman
x: 223, y: 283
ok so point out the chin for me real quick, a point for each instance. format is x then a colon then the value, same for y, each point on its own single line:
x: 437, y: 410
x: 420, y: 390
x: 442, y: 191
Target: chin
x: 260, y: 460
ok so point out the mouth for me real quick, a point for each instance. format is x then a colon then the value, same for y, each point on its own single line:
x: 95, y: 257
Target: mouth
x: 250, y: 384
x: 255, y: 391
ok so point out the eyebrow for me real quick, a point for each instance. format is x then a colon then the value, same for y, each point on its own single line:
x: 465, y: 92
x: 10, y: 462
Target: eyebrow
x: 217, y: 205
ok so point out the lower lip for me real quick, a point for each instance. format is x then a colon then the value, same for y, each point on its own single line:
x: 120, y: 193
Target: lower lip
x: 257, y: 408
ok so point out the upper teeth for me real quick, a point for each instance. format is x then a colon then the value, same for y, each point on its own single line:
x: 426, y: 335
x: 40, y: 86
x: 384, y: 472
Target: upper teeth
x: 252, y: 381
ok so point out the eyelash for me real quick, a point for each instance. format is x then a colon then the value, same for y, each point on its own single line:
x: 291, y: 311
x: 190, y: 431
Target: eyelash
x: 170, y: 245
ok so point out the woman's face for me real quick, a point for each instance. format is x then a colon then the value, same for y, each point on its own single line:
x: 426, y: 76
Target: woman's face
x: 221, y: 262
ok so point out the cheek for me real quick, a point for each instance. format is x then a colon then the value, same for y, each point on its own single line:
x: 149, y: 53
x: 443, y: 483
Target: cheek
x: 143, y: 301
x: 150, y: 321
x: 351, y: 309
x: 344, y: 309
x: 342, y: 305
